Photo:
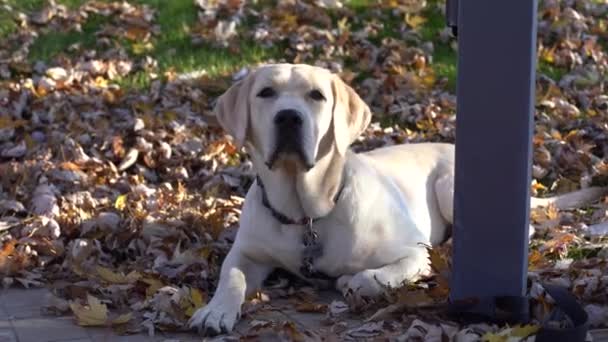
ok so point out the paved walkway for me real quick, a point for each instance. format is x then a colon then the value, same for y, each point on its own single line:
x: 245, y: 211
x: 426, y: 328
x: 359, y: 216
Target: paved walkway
x: 22, y: 320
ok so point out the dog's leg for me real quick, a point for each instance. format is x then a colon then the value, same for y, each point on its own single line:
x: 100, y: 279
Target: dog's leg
x: 239, y: 277
x: 444, y: 190
x: 369, y: 284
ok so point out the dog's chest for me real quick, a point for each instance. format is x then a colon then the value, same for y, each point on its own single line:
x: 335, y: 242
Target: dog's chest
x: 362, y: 232
x: 283, y: 245
x: 338, y: 251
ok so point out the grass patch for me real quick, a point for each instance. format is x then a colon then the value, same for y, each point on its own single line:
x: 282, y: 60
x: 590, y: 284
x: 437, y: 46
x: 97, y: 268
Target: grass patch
x: 174, y: 47
x: 556, y: 73
x: 444, y: 57
x: 53, y: 43
x: 7, y: 22
x: 174, y: 50
x: 578, y: 253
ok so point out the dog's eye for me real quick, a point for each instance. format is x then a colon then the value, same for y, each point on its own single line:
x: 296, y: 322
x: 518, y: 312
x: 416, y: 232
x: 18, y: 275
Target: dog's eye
x: 267, y: 92
x: 316, y: 95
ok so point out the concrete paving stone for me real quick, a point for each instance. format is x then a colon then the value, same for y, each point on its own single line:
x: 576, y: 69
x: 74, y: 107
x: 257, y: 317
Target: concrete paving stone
x: 47, y: 329
x: 599, y: 335
x: 7, y: 335
x: 16, y: 297
x: 27, y: 312
x: 128, y: 338
x: 181, y: 337
x: 108, y: 335
x: 6, y: 331
x: 328, y: 296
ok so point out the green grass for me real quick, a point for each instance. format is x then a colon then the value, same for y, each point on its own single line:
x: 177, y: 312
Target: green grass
x: 7, y: 22
x: 556, y: 73
x: 55, y: 43
x: 173, y: 48
x: 444, y: 57
x: 578, y: 253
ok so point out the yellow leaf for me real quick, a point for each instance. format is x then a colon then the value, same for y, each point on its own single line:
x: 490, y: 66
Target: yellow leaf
x: 117, y: 278
x: 193, y: 302
x: 169, y: 116
x: 548, y: 55
x: 101, y: 82
x: 489, y: 337
x: 428, y: 79
x: 288, y: 20
x: 536, y: 260
x: 343, y: 24
x: 122, y: 319
x: 154, y: 285
x: 140, y: 48
x: 121, y: 202
x: 524, y: 331
x: 95, y: 315
x: 414, y: 20
x: 197, y: 297
x: 538, y: 186
x: 438, y: 262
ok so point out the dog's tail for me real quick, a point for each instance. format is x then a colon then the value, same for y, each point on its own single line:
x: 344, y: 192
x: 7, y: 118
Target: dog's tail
x: 575, y: 199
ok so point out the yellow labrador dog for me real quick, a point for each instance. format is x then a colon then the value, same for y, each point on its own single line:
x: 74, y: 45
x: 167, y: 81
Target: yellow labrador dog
x: 317, y: 209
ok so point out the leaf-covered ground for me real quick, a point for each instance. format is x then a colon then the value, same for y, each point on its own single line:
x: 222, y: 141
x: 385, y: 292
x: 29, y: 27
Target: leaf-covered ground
x: 120, y: 192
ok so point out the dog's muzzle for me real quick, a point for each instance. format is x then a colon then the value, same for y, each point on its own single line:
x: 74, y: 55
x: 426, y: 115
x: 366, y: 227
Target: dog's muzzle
x: 288, y: 124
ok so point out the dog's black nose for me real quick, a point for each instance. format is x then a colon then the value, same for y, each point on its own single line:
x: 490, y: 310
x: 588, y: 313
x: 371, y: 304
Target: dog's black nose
x: 289, y: 118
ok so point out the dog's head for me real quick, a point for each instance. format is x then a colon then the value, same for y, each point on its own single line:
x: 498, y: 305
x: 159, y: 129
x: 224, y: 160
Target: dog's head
x: 284, y: 111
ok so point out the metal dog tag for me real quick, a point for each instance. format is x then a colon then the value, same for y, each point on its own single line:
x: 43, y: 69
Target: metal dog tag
x: 312, y: 249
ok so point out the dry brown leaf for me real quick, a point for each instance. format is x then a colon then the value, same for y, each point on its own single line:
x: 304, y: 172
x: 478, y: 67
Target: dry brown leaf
x: 311, y: 307
x: 192, y: 301
x: 153, y: 285
x: 95, y: 313
x: 117, y: 278
x: 7, y: 249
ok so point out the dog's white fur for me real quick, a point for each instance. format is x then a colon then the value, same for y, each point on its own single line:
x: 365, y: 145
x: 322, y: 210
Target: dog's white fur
x: 394, y: 198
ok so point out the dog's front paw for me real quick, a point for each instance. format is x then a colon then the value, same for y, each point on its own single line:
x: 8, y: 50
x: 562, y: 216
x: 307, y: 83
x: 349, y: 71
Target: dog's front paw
x: 215, y: 318
x: 360, y: 289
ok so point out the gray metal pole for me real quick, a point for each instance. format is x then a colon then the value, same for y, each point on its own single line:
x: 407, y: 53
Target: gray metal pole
x: 495, y: 90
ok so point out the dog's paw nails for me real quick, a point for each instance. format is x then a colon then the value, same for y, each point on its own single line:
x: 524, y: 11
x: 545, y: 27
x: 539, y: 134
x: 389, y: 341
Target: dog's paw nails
x: 366, y: 284
x: 359, y: 290
x: 355, y: 301
x: 213, y: 320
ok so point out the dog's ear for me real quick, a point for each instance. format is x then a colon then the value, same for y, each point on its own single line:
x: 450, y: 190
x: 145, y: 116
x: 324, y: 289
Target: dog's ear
x: 351, y: 115
x: 233, y: 110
